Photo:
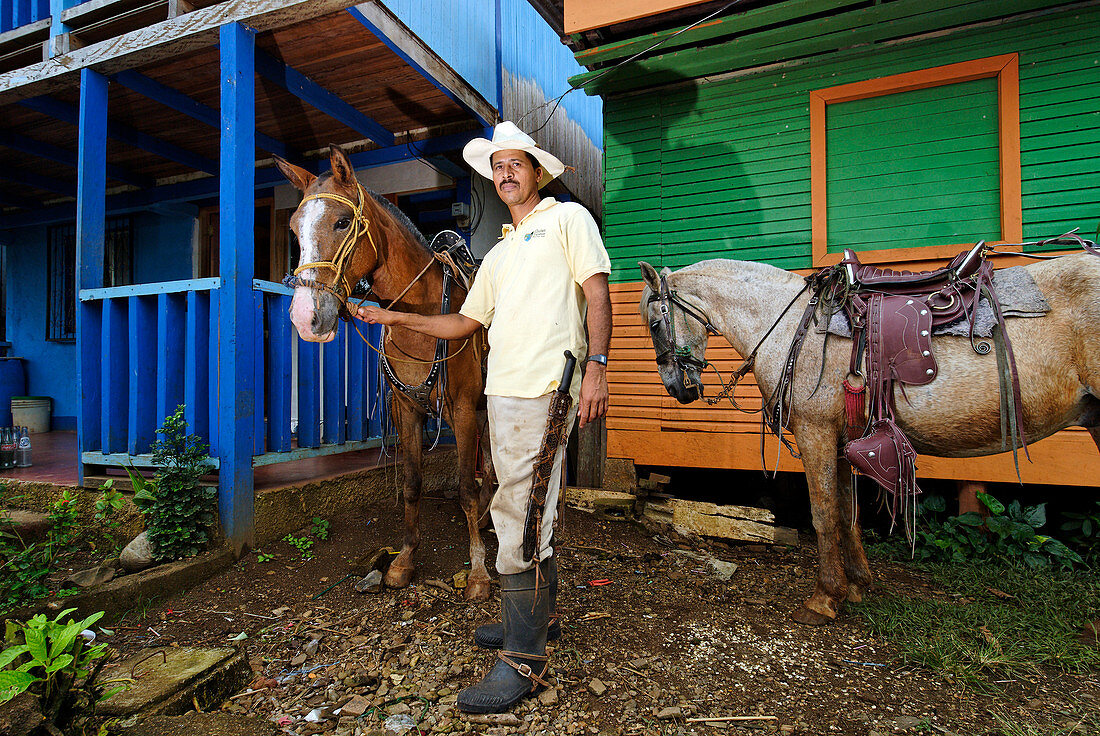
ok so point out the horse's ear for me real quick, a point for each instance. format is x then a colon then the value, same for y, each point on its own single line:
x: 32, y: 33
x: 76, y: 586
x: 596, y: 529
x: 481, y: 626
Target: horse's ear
x: 296, y: 175
x: 649, y: 275
x: 342, y: 170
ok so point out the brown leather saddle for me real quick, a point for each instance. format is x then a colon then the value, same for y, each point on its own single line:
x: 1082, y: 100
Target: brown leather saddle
x: 893, y: 314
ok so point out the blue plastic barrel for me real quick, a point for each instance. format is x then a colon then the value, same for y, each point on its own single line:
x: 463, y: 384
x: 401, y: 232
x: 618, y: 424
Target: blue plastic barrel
x: 13, y: 382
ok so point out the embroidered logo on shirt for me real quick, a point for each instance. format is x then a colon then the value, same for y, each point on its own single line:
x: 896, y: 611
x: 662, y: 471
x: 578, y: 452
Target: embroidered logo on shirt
x: 540, y: 233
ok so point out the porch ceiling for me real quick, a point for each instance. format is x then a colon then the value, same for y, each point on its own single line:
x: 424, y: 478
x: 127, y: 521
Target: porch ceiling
x: 336, y: 51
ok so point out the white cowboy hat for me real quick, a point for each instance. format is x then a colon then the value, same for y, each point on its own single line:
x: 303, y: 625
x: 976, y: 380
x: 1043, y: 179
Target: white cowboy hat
x: 507, y: 137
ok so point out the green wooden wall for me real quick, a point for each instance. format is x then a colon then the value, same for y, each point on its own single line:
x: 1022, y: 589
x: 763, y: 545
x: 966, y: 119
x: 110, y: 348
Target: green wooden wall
x: 722, y: 169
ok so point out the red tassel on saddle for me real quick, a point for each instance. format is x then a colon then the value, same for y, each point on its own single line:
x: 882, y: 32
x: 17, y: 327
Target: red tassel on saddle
x: 854, y: 403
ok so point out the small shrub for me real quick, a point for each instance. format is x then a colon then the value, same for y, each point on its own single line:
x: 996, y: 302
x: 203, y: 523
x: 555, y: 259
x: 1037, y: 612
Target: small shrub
x: 178, y: 510
x: 22, y: 571
x: 319, y: 528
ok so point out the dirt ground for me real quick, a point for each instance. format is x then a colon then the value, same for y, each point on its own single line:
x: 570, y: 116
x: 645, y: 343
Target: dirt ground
x: 660, y: 647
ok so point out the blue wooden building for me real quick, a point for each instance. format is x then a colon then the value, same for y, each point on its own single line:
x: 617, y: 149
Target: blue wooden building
x: 144, y: 227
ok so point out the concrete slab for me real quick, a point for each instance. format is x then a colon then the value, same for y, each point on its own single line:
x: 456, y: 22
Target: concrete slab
x: 170, y: 680
x: 195, y: 724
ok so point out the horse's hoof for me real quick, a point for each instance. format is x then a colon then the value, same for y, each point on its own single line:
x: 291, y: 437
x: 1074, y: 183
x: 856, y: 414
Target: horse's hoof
x: 399, y: 577
x: 807, y: 617
x: 477, y: 590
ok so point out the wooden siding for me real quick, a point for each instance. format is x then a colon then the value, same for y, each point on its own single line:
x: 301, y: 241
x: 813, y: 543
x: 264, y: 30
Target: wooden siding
x: 722, y: 169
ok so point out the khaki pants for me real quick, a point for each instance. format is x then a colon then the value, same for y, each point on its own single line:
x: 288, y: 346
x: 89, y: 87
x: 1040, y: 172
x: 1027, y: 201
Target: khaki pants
x: 516, y: 428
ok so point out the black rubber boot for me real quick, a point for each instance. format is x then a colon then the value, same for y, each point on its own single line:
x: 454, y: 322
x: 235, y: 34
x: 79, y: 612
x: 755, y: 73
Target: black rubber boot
x: 522, y: 665
x: 491, y: 636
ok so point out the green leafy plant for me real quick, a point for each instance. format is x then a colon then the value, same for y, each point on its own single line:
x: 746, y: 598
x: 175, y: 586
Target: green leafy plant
x: 107, y: 506
x: 264, y: 556
x: 1008, y: 533
x: 303, y: 544
x: 1084, y: 532
x: 50, y: 658
x: 319, y: 528
x: 177, y: 507
x: 63, y: 518
x: 22, y: 571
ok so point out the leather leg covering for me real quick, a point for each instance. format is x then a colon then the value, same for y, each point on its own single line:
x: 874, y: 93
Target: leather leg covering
x: 522, y: 665
x: 491, y: 636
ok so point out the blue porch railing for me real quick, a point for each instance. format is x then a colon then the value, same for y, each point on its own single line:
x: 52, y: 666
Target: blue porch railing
x: 18, y: 13
x: 158, y: 348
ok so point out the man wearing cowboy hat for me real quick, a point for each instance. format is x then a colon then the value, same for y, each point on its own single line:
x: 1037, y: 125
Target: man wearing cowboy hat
x: 537, y: 289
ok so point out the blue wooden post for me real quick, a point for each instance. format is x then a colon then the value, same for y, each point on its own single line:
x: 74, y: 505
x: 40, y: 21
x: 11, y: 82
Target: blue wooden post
x: 59, y: 40
x: 377, y: 390
x: 91, y: 212
x: 357, y: 385
x: 236, y: 321
x: 114, y: 383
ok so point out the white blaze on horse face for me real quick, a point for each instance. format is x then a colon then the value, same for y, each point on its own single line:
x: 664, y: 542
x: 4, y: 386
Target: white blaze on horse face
x: 302, y: 305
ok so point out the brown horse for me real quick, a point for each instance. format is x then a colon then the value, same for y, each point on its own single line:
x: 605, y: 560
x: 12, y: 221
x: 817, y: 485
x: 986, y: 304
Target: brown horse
x: 348, y: 234
x: 956, y: 415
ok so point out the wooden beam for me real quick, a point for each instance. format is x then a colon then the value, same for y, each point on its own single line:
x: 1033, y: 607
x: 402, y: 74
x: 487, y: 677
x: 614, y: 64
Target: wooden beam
x: 390, y: 31
x: 168, y: 39
x: 49, y: 151
x: 181, y: 103
x: 125, y: 134
x: 314, y: 94
x: 236, y: 303
x: 38, y: 181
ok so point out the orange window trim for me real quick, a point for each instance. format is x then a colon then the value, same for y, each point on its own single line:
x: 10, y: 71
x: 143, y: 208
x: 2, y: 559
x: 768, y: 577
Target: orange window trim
x: 1006, y: 68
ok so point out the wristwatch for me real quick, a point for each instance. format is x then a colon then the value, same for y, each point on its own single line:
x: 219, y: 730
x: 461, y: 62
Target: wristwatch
x: 601, y: 359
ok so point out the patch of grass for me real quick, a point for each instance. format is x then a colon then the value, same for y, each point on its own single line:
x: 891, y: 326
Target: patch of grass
x: 1005, y: 724
x: 1003, y: 623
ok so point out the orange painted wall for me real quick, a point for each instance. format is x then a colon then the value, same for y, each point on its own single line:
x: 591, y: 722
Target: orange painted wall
x: 647, y: 425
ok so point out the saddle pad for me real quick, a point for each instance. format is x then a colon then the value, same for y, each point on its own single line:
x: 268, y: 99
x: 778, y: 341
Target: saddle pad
x: 1016, y: 291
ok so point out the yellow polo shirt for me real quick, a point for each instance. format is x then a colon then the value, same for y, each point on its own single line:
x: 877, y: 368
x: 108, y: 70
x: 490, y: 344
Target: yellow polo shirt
x: 528, y: 293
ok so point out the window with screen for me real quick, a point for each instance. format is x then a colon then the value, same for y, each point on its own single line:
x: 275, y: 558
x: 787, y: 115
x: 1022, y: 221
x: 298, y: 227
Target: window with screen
x: 118, y: 270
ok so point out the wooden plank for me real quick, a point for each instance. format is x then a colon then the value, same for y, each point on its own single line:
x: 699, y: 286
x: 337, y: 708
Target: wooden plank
x: 419, y: 55
x: 162, y: 41
x: 309, y: 393
x: 358, y: 411
x: 333, y: 357
x: 742, y: 523
x: 196, y: 364
x: 114, y: 387
x: 280, y: 337
x: 142, y: 423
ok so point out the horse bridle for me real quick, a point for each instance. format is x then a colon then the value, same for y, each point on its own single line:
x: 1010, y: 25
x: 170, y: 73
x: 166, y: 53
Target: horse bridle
x: 360, y: 225
x: 663, y: 331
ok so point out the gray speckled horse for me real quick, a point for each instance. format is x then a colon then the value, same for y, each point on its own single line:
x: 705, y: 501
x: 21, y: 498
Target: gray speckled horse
x: 956, y: 415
